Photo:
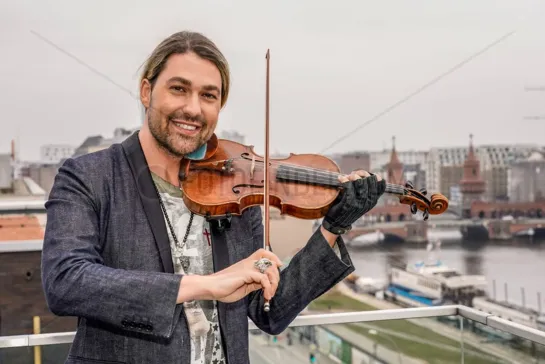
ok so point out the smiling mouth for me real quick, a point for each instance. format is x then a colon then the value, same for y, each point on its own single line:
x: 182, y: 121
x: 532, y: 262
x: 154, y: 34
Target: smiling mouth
x: 186, y: 127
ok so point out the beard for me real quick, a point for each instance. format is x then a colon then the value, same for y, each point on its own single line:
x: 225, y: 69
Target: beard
x: 178, y: 145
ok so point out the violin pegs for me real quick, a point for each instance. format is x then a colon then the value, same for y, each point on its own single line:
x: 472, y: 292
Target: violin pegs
x: 424, y: 191
x: 409, y: 185
x: 426, y: 215
x: 414, y: 209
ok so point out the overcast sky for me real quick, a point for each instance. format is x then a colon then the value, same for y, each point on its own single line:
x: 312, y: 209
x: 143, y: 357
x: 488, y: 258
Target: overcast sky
x: 334, y: 66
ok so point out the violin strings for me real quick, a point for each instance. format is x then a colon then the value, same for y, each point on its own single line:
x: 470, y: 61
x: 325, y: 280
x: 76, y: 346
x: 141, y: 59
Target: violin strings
x: 319, y: 176
x: 330, y: 179
x: 329, y: 173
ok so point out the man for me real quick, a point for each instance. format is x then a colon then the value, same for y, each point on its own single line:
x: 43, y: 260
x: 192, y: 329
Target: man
x: 150, y: 281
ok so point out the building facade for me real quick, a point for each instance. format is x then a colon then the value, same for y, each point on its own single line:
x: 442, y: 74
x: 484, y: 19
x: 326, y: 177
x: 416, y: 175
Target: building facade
x: 527, y: 178
x: 54, y: 153
x: 472, y: 185
x: 444, y: 168
x: 354, y: 161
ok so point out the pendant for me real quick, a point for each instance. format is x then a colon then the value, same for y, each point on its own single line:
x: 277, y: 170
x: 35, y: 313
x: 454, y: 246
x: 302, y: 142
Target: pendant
x: 177, y: 252
x: 184, y: 261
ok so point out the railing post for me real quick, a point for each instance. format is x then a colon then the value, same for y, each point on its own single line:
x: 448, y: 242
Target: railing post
x: 462, y: 357
x: 37, y: 348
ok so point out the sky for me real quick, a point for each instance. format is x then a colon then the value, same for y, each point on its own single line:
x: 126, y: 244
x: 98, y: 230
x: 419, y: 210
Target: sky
x: 345, y: 75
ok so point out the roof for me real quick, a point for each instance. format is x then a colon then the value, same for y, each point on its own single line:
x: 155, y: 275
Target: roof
x: 21, y: 227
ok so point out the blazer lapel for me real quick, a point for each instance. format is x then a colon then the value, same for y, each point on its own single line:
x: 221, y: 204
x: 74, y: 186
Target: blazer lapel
x: 148, y: 196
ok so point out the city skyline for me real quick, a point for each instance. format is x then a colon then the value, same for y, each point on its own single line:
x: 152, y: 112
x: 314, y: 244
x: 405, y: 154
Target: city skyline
x: 429, y: 73
x: 386, y: 148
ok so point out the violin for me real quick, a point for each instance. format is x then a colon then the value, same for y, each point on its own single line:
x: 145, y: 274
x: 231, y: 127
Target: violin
x: 301, y: 185
x: 232, y: 177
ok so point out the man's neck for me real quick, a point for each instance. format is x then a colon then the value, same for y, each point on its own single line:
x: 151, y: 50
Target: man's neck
x: 159, y: 161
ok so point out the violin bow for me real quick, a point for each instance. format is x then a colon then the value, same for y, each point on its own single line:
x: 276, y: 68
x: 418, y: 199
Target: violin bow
x: 266, y: 241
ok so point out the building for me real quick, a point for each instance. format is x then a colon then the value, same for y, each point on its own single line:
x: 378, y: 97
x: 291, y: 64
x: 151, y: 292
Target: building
x: 527, y: 178
x: 415, y: 174
x: 55, y: 153
x: 42, y: 174
x: 394, y: 168
x: 353, y: 161
x: 377, y: 159
x: 21, y: 291
x: 444, y: 168
x: 472, y: 185
x: 97, y: 142
x: 6, y: 172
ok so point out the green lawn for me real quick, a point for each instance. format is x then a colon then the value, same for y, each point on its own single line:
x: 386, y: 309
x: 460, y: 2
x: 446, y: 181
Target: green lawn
x: 430, y: 353
x: 338, y: 301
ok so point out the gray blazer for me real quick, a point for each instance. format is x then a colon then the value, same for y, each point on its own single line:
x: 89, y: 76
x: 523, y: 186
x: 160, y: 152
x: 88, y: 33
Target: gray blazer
x: 106, y: 259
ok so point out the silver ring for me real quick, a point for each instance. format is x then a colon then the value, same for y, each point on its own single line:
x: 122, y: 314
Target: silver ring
x: 263, y: 264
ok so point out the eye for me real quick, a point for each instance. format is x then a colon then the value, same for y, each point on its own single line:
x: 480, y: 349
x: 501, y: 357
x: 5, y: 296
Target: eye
x: 177, y: 88
x: 210, y: 96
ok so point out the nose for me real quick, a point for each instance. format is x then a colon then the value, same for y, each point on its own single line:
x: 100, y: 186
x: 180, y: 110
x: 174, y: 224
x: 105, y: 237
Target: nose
x: 193, y: 105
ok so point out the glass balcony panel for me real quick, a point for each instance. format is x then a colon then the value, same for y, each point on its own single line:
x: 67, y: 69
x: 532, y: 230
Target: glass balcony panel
x: 16, y: 354
x: 505, y: 340
x: 415, y: 341
x: 446, y: 334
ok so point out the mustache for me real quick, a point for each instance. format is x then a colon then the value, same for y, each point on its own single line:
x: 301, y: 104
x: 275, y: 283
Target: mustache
x: 187, y: 117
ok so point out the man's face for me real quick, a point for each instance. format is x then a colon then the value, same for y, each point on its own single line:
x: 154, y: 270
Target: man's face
x: 184, y: 105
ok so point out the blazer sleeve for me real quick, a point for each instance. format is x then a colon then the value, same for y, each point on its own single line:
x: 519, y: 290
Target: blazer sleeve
x: 315, y: 269
x: 75, y: 280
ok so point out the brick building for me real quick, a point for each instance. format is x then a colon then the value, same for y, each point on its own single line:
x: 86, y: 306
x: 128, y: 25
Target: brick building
x: 472, y: 185
x: 354, y: 161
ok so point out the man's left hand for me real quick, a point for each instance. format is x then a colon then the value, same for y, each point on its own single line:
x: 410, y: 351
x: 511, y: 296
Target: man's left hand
x: 360, y: 194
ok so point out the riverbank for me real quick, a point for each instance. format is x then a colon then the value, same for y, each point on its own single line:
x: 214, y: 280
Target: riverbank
x: 421, y: 339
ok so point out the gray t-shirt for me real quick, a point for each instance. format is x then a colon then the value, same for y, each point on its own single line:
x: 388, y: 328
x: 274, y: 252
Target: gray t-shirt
x: 195, y: 257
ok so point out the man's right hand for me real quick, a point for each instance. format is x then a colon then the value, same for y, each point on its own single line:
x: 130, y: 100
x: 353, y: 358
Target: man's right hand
x: 235, y: 282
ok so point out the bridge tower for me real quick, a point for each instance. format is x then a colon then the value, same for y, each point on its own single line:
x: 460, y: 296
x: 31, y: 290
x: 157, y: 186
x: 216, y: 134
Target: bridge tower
x: 395, y: 167
x: 472, y: 184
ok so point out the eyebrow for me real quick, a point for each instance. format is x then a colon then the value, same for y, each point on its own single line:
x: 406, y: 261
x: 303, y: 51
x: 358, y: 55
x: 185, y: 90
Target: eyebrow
x: 186, y: 82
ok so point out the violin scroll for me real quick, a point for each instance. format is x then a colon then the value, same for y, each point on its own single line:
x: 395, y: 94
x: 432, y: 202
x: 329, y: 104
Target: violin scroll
x: 418, y: 201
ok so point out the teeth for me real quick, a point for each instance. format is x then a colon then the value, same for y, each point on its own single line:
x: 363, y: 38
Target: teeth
x: 186, y: 127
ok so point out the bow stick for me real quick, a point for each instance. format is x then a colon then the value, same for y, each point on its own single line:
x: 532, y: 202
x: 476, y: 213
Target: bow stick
x: 266, y: 241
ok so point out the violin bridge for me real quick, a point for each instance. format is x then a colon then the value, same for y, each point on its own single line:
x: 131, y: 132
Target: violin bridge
x: 252, y: 168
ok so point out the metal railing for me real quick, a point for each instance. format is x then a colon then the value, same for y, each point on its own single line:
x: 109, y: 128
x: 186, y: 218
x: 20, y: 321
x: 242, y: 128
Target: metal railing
x: 492, y: 321
x: 29, y: 205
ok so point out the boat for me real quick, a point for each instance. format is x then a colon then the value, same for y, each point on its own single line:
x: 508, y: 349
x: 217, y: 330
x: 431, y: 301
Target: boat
x: 432, y: 283
x: 366, y: 285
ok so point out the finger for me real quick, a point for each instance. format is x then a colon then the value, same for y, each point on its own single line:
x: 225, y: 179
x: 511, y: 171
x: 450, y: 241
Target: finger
x: 362, y: 173
x: 263, y: 279
x: 353, y: 176
x: 343, y: 178
x: 263, y: 253
x: 274, y: 278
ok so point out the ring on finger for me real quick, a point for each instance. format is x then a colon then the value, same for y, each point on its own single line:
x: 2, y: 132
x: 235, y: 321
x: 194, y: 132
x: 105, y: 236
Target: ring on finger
x: 263, y: 264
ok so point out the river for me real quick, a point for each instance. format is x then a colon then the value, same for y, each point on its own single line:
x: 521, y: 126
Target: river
x: 517, y: 264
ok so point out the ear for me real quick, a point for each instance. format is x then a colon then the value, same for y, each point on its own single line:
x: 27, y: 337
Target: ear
x: 145, y: 93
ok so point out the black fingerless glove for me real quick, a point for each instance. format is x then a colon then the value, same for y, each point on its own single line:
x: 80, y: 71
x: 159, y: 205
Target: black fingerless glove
x: 356, y: 199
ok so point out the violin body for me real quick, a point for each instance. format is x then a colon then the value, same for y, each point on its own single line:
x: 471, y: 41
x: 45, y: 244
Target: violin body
x: 232, y: 179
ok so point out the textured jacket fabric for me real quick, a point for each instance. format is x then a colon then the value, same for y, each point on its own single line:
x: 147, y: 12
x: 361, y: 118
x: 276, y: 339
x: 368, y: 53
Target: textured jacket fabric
x: 107, y: 260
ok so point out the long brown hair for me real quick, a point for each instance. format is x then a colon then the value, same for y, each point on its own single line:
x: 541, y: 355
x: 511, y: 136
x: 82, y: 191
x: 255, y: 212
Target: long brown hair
x: 184, y: 42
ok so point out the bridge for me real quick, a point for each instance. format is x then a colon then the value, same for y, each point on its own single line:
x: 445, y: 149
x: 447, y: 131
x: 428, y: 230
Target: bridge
x: 415, y: 231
